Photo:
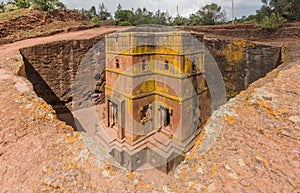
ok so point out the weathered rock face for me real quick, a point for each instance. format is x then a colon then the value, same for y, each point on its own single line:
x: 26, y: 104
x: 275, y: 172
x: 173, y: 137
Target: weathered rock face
x: 242, y: 62
x: 256, y: 147
x: 52, y: 68
x: 249, y: 31
x: 251, y: 144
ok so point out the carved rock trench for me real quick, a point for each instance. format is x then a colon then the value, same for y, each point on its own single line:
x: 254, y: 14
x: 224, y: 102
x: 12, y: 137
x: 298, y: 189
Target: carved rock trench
x: 257, y: 150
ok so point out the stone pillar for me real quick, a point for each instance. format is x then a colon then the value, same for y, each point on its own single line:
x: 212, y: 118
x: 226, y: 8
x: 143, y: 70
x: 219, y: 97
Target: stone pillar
x: 107, y: 109
x: 171, y: 120
x: 121, y: 121
x: 113, y: 115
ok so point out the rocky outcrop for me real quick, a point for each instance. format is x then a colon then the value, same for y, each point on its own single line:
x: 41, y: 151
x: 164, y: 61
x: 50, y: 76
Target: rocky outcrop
x: 52, y: 69
x: 33, y: 19
x: 242, y: 62
x: 28, y: 126
x: 250, y: 144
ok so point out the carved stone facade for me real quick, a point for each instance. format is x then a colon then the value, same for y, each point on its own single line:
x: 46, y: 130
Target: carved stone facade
x: 155, y: 97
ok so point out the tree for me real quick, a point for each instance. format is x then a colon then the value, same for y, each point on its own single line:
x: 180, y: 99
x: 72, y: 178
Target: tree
x: 263, y: 12
x: 289, y: 9
x: 162, y: 18
x: 272, y: 22
x: 179, y: 20
x: 124, y: 16
x: 119, y: 7
x: 141, y: 16
x: 103, y: 12
x: 296, y: 10
x: 233, y: 16
x: 22, y: 3
x: 2, y: 7
x: 47, y: 5
x: 212, y: 14
x: 208, y: 15
x: 282, y: 7
x: 195, y: 19
x: 91, y: 13
x: 275, y: 13
x: 245, y: 19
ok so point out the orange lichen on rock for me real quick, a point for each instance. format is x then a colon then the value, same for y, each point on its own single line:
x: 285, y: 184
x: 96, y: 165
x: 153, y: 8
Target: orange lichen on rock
x: 262, y: 159
x: 198, y: 142
x: 214, y: 169
x: 189, y: 156
x: 283, y: 112
x: 143, y: 186
x: 268, y: 107
x: 73, y: 138
x: 131, y: 175
x: 234, y: 51
x: 230, y: 119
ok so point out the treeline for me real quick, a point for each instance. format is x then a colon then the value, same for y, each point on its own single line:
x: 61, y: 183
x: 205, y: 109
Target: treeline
x: 274, y: 13
x: 271, y: 15
x: 207, y: 15
x: 43, y: 5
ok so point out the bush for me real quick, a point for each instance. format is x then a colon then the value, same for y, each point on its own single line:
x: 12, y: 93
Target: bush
x: 47, y: 5
x: 96, y: 20
x: 109, y: 22
x: 125, y: 23
x: 22, y: 3
x: 10, y: 7
x: 273, y: 21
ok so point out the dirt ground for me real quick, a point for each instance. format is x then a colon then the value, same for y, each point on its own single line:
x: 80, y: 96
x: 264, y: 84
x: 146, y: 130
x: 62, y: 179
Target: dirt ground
x: 9, y: 50
x: 33, y: 23
x: 289, y: 32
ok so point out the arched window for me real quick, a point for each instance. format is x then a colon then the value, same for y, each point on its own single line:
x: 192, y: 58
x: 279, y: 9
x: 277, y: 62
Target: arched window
x: 117, y: 63
x: 166, y: 65
x: 143, y: 65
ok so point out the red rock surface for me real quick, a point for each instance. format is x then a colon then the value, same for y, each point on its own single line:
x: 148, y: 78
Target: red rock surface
x: 256, y: 148
x: 250, y: 32
x: 37, y: 18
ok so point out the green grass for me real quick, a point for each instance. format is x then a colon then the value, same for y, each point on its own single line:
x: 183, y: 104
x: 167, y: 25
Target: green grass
x: 13, y: 14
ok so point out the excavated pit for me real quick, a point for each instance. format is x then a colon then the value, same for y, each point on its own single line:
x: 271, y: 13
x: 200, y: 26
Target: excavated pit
x: 52, y: 67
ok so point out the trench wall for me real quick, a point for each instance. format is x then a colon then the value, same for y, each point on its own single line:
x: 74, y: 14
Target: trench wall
x: 52, y: 68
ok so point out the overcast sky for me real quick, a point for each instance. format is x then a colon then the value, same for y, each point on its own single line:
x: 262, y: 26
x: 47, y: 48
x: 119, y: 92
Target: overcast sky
x: 186, y: 7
